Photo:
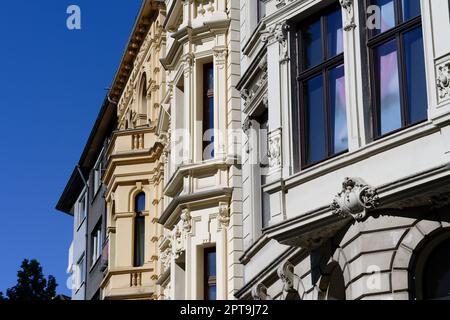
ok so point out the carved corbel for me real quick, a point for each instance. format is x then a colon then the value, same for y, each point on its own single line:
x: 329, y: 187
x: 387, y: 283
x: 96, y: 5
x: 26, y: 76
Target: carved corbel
x: 347, y: 5
x: 286, y: 274
x: 187, y: 220
x: 355, y: 199
x: 224, y: 216
x: 259, y: 292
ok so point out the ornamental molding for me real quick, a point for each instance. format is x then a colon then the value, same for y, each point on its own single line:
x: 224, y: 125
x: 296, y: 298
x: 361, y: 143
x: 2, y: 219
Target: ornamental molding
x: 220, y: 55
x: 355, y: 199
x: 443, y: 81
x: 347, y: 5
x: 274, y: 150
x: 259, y: 292
x: 278, y: 33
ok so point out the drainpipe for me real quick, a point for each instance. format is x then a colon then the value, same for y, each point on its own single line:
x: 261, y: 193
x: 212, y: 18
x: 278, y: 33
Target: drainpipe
x: 87, y: 229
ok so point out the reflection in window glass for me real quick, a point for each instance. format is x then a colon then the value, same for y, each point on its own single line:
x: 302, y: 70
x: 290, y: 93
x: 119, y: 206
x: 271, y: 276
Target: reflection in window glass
x: 315, y: 120
x: 411, y: 9
x: 335, y: 41
x: 388, y: 87
x: 313, y: 45
x: 338, y: 109
x: 387, y: 14
x: 415, y: 76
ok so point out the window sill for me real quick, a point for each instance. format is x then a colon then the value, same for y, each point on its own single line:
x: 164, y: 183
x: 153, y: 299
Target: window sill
x: 373, y: 148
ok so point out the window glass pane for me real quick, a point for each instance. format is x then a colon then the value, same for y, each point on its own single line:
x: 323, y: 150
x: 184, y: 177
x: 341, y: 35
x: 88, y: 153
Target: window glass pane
x: 388, y: 87
x: 315, y: 121
x: 261, y: 9
x: 312, y: 42
x: 387, y: 14
x: 411, y: 9
x: 415, y: 74
x: 139, y: 238
x: 211, y: 264
x: 338, y: 110
x: 334, y: 34
x: 208, y: 112
x: 140, y: 202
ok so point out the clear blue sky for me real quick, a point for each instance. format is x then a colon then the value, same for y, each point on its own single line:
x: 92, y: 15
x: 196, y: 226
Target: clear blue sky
x: 52, y: 84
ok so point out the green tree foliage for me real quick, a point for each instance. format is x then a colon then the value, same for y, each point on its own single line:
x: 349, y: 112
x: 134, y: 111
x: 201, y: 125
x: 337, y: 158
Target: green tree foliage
x: 31, y: 284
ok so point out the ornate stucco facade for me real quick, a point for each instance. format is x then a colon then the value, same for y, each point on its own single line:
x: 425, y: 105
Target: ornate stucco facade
x: 203, y: 203
x: 361, y: 224
x: 134, y: 165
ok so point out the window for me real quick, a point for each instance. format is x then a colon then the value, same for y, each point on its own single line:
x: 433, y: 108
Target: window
x: 81, y: 208
x: 97, y: 175
x: 208, y: 111
x: 144, y: 95
x: 263, y: 151
x: 210, y: 274
x: 431, y: 268
x: 96, y: 244
x: 139, y: 230
x: 321, y: 88
x: 399, y: 97
x: 261, y: 10
x: 81, y: 272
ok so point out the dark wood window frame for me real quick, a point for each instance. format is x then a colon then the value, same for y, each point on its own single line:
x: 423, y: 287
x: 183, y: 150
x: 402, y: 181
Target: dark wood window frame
x: 376, y: 40
x: 208, y: 280
x: 302, y: 76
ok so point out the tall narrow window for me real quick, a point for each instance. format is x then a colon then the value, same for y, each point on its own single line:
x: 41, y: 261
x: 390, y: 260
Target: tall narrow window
x: 144, y: 95
x: 81, y: 208
x: 208, y: 111
x: 81, y: 272
x: 399, y: 96
x: 96, y: 244
x: 210, y: 274
x: 139, y: 230
x: 321, y: 87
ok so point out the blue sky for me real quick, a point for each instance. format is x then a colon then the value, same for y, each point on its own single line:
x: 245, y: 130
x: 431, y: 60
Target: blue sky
x: 52, y: 84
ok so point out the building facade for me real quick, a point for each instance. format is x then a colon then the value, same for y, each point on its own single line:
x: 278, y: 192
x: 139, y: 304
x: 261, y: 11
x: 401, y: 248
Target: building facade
x: 83, y: 198
x: 270, y: 149
x: 346, y: 110
x: 202, y: 214
x: 133, y: 173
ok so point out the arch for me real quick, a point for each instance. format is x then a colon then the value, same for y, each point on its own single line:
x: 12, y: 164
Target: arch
x: 407, y: 249
x: 430, y: 263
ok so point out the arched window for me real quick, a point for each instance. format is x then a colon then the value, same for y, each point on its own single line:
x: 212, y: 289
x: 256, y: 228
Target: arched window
x: 139, y: 230
x: 144, y: 94
x: 431, y: 274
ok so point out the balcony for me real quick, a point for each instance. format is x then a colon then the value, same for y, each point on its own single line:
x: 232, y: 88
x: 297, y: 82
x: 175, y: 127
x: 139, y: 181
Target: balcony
x: 129, y: 283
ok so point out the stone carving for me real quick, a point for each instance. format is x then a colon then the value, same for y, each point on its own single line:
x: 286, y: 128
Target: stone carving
x: 286, y: 274
x: 274, y: 149
x: 187, y: 220
x: 278, y: 33
x: 443, y: 80
x: 354, y: 199
x: 347, y: 5
x: 224, y: 215
x: 259, y: 292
